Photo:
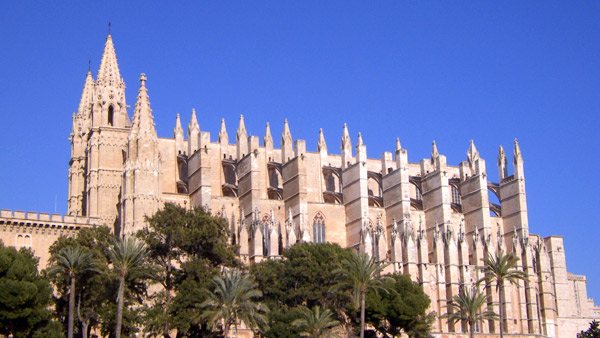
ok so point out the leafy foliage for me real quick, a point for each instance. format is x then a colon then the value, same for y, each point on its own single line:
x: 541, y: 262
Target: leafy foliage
x: 188, y: 248
x: 315, y: 323
x: 361, y: 273
x: 72, y: 262
x: 25, y: 296
x: 592, y: 332
x: 502, y: 268
x: 302, y: 278
x: 95, y: 289
x: 468, y: 305
x: 128, y: 259
x: 403, y: 309
x: 232, y: 299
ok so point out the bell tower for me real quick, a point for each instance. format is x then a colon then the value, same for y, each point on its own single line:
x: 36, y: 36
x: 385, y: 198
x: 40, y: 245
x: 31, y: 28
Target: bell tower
x: 106, y: 142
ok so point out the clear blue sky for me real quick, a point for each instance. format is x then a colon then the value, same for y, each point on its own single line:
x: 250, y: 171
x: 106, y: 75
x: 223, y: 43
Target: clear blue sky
x: 448, y: 71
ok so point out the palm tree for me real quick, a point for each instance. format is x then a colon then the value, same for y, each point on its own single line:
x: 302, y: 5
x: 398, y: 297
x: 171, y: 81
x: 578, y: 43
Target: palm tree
x: 315, y: 323
x: 468, y: 306
x: 501, y: 268
x: 361, y: 273
x: 72, y: 261
x: 232, y: 300
x: 127, y: 255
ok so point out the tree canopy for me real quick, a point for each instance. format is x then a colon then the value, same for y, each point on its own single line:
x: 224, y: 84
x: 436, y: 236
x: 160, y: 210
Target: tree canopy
x: 24, y: 296
x: 592, y: 332
x: 188, y: 248
x: 402, y: 309
x: 302, y: 277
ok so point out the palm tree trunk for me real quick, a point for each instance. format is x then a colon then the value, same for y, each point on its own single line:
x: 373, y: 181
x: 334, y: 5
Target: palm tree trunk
x: 71, y: 308
x: 363, y: 295
x: 471, y: 331
x: 501, y: 310
x: 84, y: 323
x: 120, y: 296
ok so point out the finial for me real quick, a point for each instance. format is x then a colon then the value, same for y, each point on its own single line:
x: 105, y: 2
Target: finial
x: 472, y: 154
x: 89, y: 65
x: 398, y: 146
x: 360, y: 140
x: 321, y: 145
x: 434, y: 152
x: 517, y: 152
x: 143, y: 79
x: 109, y: 26
x: 501, y: 156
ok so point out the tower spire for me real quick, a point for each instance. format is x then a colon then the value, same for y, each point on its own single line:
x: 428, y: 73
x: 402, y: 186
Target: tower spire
x: 87, y: 95
x: 286, y: 136
x: 286, y: 143
x: 143, y: 121
x: 398, y: 145
x: 346, y: 148
x: 434, y: 152
x: 178, y: 130
x: 241, y: 132
x: 223, y: 137
x: 517, y: 152
x: 109, y: 69
x: 472, y: 154
x: 321, y: 145
x: 268, y: 139
x: 193, y: 126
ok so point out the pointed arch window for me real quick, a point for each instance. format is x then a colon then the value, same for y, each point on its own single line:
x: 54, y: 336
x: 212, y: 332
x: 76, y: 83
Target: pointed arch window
x: 319, y: 228
x: 111, y: 113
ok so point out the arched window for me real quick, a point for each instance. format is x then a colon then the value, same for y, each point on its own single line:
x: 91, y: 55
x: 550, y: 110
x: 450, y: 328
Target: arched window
x: 266, y: 234
x: 229, y: 172
x: 27, y: 241
x: 110, y: 115
x: 319, y: 228
x: 19, y: 241
x: 455, y: 195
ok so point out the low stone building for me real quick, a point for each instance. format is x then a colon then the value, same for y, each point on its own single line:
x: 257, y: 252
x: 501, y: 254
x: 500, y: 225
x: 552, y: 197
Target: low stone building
x: 432, y: 220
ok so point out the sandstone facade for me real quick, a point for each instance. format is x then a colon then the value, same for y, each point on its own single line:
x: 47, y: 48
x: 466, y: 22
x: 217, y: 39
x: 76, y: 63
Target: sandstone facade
x: 432, y: 220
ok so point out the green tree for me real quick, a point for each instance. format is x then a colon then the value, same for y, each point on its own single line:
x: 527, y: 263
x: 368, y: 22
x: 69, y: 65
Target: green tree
x: 188, y: 247
x: 233, y: 298
x: 289, y: 283
x: 128, y: 258
x: 361, y: 273
x: 95, y: 292
x: 403, y: 309
x: 467, y: 307
x: 501, y: 268
x: 315, y: 323
x: 72, y: 261
x: 592, y: 332
x: 24, y: 296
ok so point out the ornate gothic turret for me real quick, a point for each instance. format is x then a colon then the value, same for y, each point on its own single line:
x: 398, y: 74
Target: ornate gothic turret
x: 178, y: 136
x: 193, y: 134
x: 346, y: 148
x: 241, y: 139
x: 223, y: 137
x: 268, y: 139
x: 109, y: 106
x: 107, y: 141
x: 502, y: 167
x: 142, y: 181
x: 81, y: 126
x: 286, y: 143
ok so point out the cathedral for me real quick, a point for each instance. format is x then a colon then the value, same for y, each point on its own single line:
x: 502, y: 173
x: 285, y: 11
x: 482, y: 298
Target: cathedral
x: 431, y: 220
